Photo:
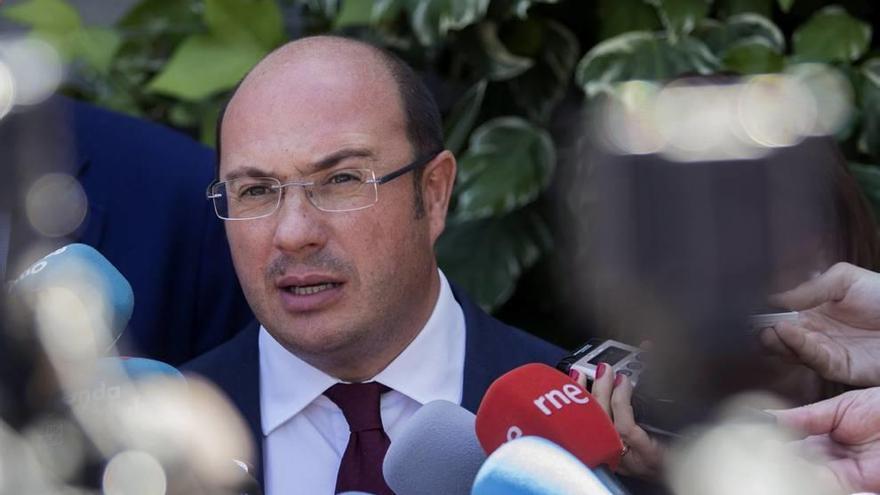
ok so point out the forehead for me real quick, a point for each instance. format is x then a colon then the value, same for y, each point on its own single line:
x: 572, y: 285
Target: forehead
x: 300, y: 110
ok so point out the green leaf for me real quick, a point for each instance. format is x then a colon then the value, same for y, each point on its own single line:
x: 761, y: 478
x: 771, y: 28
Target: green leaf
x: 681, y: 16
x: 463, y: 116
x: 486, y: 257
x: 208, y: 125
x: 327, y: 9
x: 432, y: 19
x: 832, y: 35
x: 542, y: 87
x: 385, y: 10
x: 737, y: 29
x: 157, y: 17
x: 869, y: 138
x: 727, y: 8
x: 204, y: 65
x: 639, y: 55
x: 785, y: 5
x: 508, y: 163
x: 752, y: 56
x: 55, y: 16
x: 520, y: 8
x: 499, y: 63
x: 868, y: 177
x: 354, y: 13
x: 97, y: 46
x: 623, y: 16
x: 246, y: 21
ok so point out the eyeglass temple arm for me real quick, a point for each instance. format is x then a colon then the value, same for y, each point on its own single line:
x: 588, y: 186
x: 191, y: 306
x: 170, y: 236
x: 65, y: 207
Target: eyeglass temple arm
x: 208, y: 193
x: 412, y: 166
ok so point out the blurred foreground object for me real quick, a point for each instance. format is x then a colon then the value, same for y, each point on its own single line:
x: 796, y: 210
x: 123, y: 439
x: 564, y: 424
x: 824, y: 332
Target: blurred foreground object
x: 133, y: 191
x: 736, y: 456
x: 841, y: 433
x: 837, y: 332
x: 710, y: 194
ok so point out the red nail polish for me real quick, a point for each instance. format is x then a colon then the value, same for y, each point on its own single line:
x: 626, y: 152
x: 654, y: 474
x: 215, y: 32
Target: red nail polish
x: 575, y: 375
x: 618, y: 379
x: 600, y: 370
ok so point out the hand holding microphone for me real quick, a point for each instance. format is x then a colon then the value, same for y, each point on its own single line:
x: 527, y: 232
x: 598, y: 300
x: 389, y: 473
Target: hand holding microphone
x: 643, y: 455
x: 838, y: 331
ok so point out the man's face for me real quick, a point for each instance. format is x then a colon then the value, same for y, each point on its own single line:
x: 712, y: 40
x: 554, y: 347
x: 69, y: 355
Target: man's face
x: 328, y: 282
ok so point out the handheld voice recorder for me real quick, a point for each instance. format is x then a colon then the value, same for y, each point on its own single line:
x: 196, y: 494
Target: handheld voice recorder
x: 624, y: 359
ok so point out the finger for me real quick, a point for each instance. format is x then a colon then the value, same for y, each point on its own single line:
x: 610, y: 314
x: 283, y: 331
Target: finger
x: 624, y: 416
x: 602, y: 386
x: 579, y: 377
x: 771, y: 342
x: 811, y: 348
x: 830, y: 286
x: 819, y: 418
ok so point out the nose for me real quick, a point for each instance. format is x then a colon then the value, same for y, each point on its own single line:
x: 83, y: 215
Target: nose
x: 300, y: 227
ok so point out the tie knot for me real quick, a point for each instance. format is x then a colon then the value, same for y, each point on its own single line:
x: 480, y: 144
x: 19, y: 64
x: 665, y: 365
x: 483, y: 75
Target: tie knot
x: 359, y: 403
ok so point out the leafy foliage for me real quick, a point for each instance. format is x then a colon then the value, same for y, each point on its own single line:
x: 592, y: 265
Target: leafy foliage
x: 500, y: 68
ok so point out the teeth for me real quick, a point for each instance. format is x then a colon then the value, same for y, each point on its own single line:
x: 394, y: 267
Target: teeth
x: 306, y: 290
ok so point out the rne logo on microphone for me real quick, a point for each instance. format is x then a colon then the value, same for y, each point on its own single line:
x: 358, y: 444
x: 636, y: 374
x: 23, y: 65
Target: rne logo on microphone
x: 559, y: 399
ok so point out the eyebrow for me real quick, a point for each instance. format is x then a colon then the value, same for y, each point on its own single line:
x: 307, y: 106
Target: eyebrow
x: 247, y: 172
x: 334, y: 158
x: 325, y: 163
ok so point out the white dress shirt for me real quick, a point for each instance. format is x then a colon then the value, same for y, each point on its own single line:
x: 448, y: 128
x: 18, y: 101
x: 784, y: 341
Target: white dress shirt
x: 305, y: 434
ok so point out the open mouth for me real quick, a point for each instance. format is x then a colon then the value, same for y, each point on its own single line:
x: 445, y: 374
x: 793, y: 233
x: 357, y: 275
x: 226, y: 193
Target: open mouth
x: 308, y: 290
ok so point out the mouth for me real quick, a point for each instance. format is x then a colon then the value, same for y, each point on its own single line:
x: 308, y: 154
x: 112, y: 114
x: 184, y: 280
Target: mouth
x: 314, y: 292
x: 308, y: 290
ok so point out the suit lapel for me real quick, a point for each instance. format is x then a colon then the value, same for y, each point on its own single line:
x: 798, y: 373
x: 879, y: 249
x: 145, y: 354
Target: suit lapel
x: 241, y: 380
x: 481, y: 367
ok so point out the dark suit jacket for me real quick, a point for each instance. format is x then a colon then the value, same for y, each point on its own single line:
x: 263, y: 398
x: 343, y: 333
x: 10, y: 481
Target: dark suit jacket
x: 147, y: 214
x: 492, y: 348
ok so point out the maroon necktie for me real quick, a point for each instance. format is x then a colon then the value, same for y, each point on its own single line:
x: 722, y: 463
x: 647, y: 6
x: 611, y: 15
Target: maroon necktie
x: 361, y: 468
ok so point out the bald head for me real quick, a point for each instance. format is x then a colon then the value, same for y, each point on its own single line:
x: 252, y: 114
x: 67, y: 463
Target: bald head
x: 419, y: 114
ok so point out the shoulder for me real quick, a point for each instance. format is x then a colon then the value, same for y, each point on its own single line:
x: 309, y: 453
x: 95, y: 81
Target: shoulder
x: 229, y: 361
x: 486, y: 333
x: 129, y: 144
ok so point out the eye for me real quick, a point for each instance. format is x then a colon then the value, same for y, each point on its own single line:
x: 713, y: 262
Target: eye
x: 255, y: 191
x: 348, y: 177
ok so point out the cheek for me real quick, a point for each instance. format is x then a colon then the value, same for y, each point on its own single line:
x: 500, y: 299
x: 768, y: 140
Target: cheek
x: 247, y: 241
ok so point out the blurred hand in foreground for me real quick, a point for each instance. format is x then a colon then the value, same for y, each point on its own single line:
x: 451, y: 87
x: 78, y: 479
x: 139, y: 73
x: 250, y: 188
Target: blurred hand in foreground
x: 837, y: 333
x: 844, y: 432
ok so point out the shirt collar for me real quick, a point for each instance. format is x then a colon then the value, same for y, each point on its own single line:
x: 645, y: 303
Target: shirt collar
x: 288, y: 384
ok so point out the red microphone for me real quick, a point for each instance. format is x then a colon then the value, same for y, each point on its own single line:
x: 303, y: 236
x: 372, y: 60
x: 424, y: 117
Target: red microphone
x: 538, y: 400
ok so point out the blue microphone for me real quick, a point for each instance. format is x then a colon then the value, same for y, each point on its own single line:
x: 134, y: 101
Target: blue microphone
x: 535, y: 466
x: 84, y: 272
x: 137, y: 368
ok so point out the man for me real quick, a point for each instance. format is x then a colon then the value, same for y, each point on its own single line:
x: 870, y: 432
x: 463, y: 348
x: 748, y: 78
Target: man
x: 334, y: 186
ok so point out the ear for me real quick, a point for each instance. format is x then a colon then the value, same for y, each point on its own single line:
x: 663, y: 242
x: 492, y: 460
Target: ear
x: 437, y: 181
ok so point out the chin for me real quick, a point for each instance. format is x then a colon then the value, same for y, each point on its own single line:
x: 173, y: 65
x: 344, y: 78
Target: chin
x: 318, y: 341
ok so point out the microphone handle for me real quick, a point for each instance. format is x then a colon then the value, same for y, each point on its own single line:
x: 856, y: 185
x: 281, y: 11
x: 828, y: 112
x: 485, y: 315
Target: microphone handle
x: 606, y: 476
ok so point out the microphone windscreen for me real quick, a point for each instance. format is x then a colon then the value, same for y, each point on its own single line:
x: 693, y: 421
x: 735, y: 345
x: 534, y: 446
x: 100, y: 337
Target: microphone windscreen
x: 535, y: 466
x: 538, y: 400
x: 137, y: 368
x: 436, y: 452
x: 85, y: 273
